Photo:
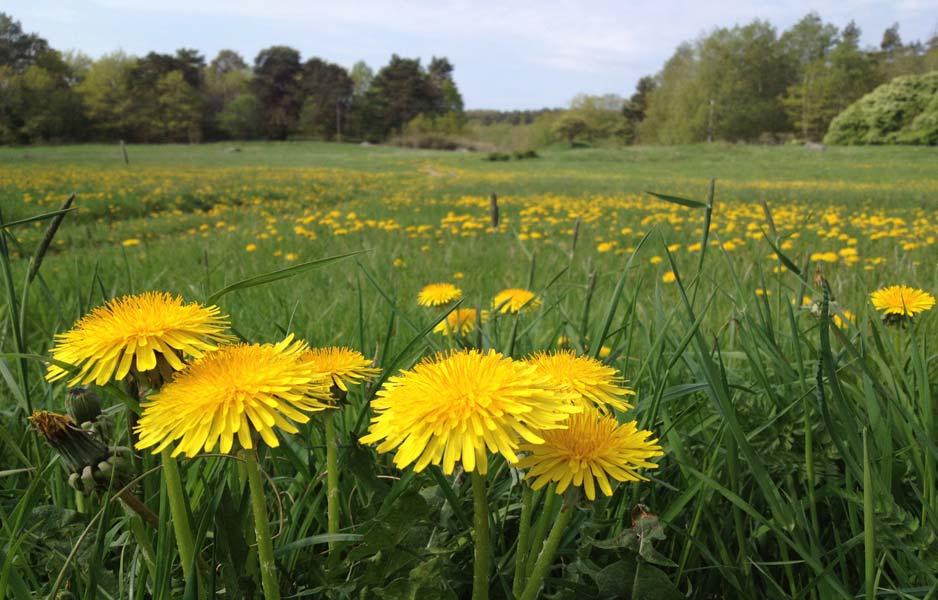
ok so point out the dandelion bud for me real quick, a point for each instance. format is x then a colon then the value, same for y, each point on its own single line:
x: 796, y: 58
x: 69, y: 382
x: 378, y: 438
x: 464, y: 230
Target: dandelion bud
x: 83, y: 405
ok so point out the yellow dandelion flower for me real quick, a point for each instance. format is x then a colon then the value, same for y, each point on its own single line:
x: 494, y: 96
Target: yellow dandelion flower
x: 132, y: 332
x: 901, y: 300
x: 513, y: 300
x: 438, y: 294
x: 593, y: 446
x: 342, y: 366
x: 593, y: 383
x: 231, y: 392
x: 130, y: 242
x: 459, y: 322
x: 454, y: 407
x: 250, y: 248
x: 669, y: 277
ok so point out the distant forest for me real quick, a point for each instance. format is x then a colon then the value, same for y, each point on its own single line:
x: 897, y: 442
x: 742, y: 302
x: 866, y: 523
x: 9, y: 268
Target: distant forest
x: 744, y: 83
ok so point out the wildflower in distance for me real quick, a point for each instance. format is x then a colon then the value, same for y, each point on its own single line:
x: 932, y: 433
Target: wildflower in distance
x: 513, y: 300
x: 438, y: 294
x: 591, y: 451
x: 456, y: 406
x: 231, y: 392
x: 593, y: 383
x: 132, y: 332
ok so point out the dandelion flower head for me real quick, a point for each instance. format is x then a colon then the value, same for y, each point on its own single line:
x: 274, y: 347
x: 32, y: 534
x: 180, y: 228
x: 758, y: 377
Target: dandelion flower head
x: 132, y: 332
x: 593, y: 383
x: 590, y: 452
x: 513, y: 300
x: 902, y: 300
x: 232, y: 392
x: 457, y: 406
x: 438, y: 294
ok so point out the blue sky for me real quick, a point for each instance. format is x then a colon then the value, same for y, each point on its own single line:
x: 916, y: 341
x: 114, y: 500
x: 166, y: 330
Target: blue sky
x: 508, y: 54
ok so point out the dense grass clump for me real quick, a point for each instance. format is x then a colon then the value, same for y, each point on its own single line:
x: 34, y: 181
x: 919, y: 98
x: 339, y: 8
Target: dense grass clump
x: 797, y: 426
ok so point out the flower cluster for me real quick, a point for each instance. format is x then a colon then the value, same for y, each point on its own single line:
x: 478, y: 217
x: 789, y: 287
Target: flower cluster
x: 461, y: 406
x: 221, y: 392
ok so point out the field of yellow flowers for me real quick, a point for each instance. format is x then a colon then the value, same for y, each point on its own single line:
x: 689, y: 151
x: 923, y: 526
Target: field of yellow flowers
x: 315, y: 370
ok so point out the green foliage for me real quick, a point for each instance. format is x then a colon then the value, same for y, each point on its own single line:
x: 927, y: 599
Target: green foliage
x: 829, y: 82
x: 903, y: 111
x: 747, y: 83
x: 402, y: 90
x: 240, y: 119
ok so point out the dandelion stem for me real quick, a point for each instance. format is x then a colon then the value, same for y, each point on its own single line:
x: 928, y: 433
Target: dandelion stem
x: 483, y: 551
x: 177, y: 508
x: 546, y: 557
x: 265, y: 545
x: 332, y: 485
x: 524, y: 533
x: 540, y: 528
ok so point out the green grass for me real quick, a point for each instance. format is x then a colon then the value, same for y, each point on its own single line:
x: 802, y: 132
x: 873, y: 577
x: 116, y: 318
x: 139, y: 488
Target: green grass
x: 800, y: 455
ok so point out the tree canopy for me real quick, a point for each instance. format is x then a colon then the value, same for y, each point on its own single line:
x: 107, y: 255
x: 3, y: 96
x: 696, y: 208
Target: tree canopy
x: 181, y: 97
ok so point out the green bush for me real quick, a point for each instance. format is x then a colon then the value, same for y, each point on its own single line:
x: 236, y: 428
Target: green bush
x: 903, y: 111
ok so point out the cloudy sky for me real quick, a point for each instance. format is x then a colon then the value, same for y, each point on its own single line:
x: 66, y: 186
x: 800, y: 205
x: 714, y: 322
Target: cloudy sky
x: 514, y: 54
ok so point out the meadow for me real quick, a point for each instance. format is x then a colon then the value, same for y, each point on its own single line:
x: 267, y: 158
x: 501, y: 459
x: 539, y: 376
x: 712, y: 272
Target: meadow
x: 798, y: 427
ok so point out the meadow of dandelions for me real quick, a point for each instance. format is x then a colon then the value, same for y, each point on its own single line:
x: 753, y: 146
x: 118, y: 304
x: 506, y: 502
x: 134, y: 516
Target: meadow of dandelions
x: 786, y: 448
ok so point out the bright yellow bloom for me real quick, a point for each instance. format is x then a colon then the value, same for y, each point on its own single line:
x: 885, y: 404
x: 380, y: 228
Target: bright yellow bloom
x: 902, y: 300
x: 593, y: 383
x: 438, y: 294
x: 129, y: 242
x: 592, y: 446
x: 230, y: 392
x: 453, y: 407
x: 513, y: 300
x: 133, y: 331
x: 459, y: 322
x: 342, y: 366
x: 669, y: 277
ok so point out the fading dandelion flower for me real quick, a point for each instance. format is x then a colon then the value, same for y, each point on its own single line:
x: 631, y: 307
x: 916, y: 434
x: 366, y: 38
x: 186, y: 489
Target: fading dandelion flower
x: 593, y: 383
x: 591, y: 451
x: 513, y: 300
x: 438, y: 294
x: 459, y: 406
x: 230, y: 392
x: 133, y: 331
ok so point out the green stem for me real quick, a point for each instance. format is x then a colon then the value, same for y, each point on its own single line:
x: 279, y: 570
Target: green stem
x: 546, y: 557
x: 265, y: 545
x: 869, y: 523
x: 540, y: 529
x: 179, y: 513
x: 483, y: 542
x: 332, y: 485
x: 524, y: 533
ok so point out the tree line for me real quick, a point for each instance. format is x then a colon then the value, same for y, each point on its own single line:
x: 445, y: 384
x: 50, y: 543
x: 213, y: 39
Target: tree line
x: 47, y: 95
x: 751, y: 83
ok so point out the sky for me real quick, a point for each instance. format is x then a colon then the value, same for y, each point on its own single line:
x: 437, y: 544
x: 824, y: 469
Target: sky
x: 513, y: 54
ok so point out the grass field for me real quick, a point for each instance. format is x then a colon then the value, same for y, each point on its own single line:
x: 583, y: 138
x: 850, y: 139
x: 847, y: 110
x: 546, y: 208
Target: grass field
x: 799, y: 430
